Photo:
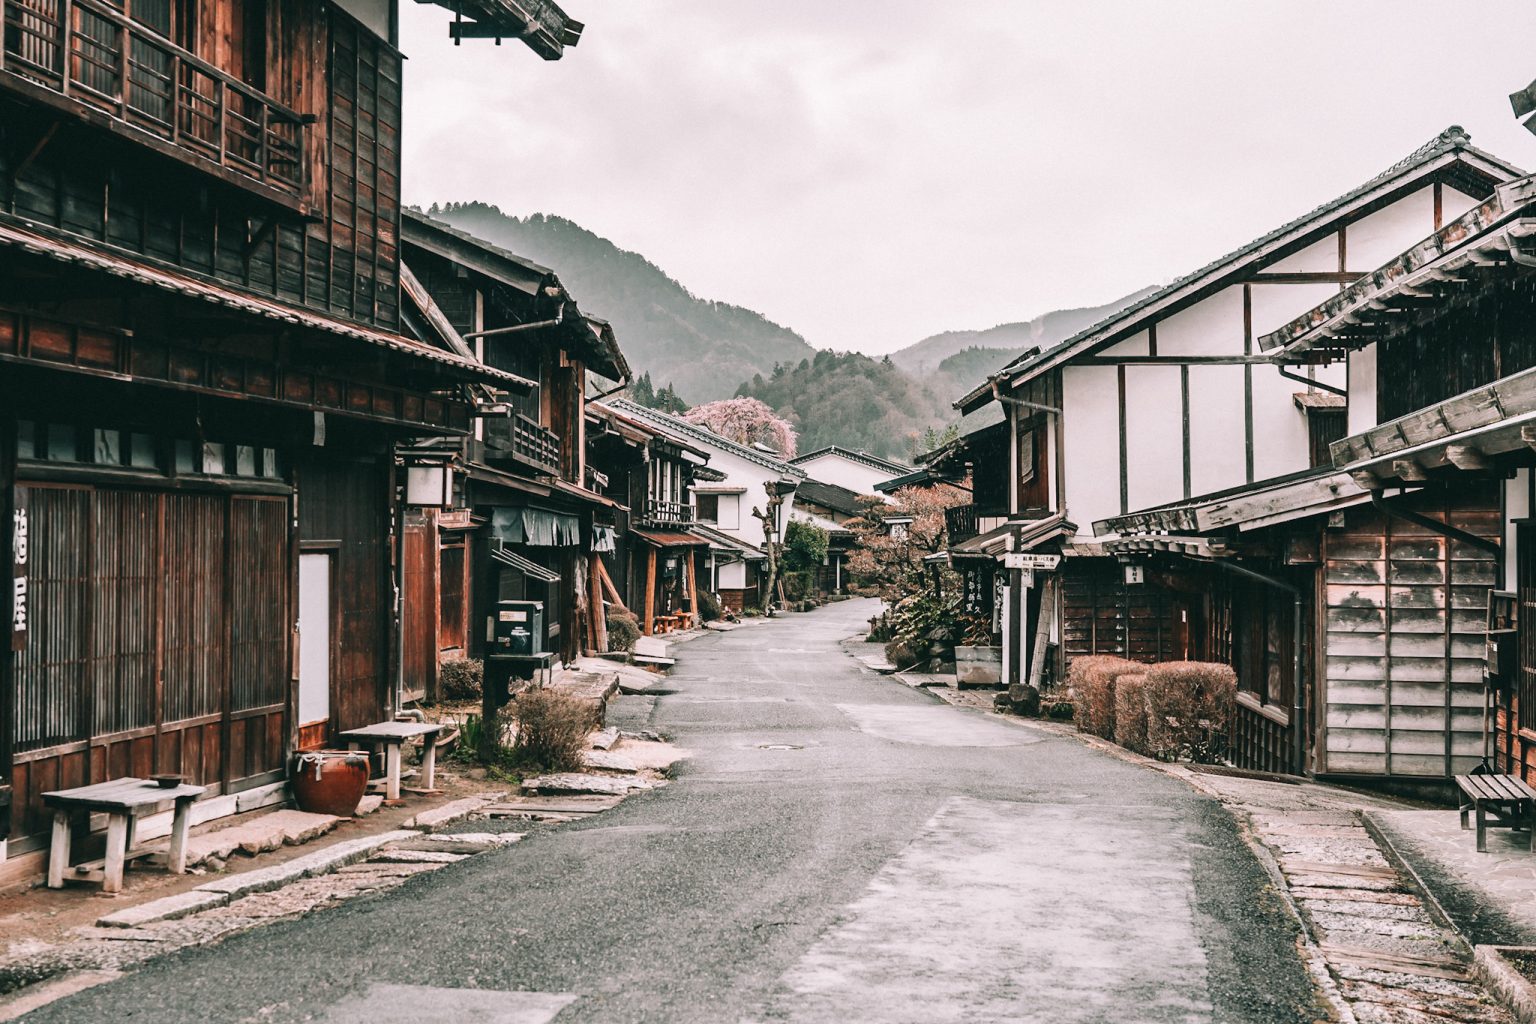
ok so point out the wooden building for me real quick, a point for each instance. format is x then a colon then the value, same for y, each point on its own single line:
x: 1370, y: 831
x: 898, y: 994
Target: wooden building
x: 205, y: 372
x: 829, y: 507
x: 515, y: 512
x: 723, y: 507
x: 1172, y: 400
x: 658, y: 558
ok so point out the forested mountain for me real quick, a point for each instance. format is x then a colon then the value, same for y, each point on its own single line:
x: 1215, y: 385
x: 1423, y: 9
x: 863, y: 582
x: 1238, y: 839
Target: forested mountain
x: 686, y: 350
x: 703, y: 349
x: 851, y: 400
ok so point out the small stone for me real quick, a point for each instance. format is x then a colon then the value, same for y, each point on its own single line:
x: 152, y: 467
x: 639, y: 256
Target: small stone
x: 213, y: 864
x: 478, y: 774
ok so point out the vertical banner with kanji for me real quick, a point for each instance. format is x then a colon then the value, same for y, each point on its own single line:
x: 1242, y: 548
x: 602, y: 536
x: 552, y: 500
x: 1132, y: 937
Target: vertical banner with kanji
x: 20, y: 545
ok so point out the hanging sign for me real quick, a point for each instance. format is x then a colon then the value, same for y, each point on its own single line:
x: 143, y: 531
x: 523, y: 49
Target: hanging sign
x: 1030, y: 560
x: 977, y: 599
x: 21, y: 606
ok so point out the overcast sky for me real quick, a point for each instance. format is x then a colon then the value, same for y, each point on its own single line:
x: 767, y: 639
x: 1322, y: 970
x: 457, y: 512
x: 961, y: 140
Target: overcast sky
x: 869, y: 172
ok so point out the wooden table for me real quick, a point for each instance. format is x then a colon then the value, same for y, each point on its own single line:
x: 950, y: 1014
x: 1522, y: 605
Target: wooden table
x: 122, y: 800
x: 392, y: 736
x: 1504, y: 798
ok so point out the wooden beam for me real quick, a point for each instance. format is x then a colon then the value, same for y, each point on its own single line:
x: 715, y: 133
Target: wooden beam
x: 693, y: 587
x: 599, y: 613
x: 1466, y: 456
x: 1407, y: 469
x: 1367, y: 480
x: 608, y: 587
x: 648, y: 623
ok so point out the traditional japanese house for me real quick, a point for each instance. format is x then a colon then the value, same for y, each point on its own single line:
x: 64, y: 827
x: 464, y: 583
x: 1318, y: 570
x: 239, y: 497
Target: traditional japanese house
x: 205, y: 373
x: 1172, y: 399
x: 1427, y: 582
x: 512, y: 511
x: 658, y: 556
x: 857, y: 471
x: 724, y: 508
x: 829, y: 507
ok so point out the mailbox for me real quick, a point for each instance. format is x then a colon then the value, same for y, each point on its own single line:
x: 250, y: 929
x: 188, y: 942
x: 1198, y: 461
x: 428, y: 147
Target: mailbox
x: 516, y: 628
x: 1503, y: 658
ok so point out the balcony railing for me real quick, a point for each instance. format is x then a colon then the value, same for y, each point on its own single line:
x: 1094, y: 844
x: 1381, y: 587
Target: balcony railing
x: 667, y: 513
x: 520, y: 438
x: 90, y: 52
x: 960, y: 523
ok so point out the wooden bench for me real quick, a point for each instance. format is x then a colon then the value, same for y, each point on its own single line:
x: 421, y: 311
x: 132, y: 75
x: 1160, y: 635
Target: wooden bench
x: 392, y: 736
x: 1504, y: 799
x: 122, y: 801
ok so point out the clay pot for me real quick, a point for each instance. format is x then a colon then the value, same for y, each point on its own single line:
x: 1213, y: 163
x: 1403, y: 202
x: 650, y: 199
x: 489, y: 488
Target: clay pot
x: 330, y: 781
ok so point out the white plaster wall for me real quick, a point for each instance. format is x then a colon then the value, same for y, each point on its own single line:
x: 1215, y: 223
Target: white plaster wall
x: 740, y: 472
x: 1517, y: 505
x: 1374, y: 240
x: 1454, y: 203
x: 1275, y: 305
x: 832, y: 468
x: 1217, y: 444
x: 1321, y: 256
x: 1135, y: 345
x: 1211, y: 327
x: 1154, y: 435
x: 1280, y: 442
x: 1362, y: 390
x: 733, y: 576
x: 1091, y: 407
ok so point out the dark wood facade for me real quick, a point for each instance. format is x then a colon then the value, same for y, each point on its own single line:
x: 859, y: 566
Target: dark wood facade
x: 203, y: 378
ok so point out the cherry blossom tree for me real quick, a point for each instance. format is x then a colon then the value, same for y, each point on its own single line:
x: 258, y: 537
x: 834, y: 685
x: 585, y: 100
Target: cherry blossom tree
x: 746, y: 421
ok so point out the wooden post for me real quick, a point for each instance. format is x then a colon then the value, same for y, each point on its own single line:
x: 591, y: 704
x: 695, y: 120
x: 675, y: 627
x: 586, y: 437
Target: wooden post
x: 1042, y: 631
x: 599, y: 613
x: 429, y: 763
x: 693, y: 587
x: 392, y: 770
x: 1016, y: 598
x: 179, y: 824
x: 648, y: 622
x: 117, y: 849
x: 58, y: 850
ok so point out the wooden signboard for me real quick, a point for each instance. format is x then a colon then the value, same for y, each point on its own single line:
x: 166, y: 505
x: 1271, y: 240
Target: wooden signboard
x: 1030, y: 560
x: 20, y: 544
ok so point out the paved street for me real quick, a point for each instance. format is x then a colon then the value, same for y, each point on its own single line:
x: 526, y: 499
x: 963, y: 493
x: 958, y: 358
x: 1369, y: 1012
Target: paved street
x: 839, y: 848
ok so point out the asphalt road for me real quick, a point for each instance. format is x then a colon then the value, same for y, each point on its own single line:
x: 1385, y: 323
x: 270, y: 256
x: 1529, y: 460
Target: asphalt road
x: 839, y: 848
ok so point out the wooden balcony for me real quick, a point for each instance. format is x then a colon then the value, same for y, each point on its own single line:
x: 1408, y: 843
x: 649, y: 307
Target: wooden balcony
x: 667, y: 513
x: 960, y: 523
x: 87, y: 58
x: 520, y: 439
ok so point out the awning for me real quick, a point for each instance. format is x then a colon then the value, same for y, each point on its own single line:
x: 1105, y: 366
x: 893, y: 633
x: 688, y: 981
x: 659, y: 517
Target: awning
x: 535, y: 527
x: 670, y: 538
x: 1250, y: 507
x: 182, y: 284
x: 724, y: 544
x: 531, y: 569
x: 1015, y: 535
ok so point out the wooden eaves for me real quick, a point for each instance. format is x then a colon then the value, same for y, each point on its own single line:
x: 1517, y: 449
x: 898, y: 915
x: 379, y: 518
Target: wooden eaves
x: 1246, y: 508
x: 1470, y: 432
x: 124, y: 268
x: 1388, y: 301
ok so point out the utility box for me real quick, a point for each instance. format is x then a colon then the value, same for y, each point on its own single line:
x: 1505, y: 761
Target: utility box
x: 517, y: 628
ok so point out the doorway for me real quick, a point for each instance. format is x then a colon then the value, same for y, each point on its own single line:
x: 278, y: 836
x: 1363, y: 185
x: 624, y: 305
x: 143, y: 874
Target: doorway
x: 315, y: 615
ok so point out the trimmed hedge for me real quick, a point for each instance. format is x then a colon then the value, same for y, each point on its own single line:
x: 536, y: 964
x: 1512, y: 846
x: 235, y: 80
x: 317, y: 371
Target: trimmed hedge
x: 1189, y: 708
x: 1131, y: 712
x: 1092, y: 679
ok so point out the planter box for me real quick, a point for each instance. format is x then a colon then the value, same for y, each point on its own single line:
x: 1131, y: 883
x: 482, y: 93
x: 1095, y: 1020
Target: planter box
x: 978, y: 666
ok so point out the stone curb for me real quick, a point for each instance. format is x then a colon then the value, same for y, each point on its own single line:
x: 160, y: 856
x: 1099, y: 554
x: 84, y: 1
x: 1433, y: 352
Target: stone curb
x: 318, y: 863
x: 453, y: 811
x: 1504, y: 982
x: 1421, y: 888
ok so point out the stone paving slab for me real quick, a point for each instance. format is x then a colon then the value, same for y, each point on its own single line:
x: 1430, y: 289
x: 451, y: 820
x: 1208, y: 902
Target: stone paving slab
x: 578, y: 782
x: 319, y: 862
x: 452, y: 811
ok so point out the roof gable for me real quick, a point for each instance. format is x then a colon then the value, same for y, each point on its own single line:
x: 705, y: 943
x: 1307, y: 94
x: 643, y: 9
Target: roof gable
x: 694, y: 432
x: 1450, y: 151
x: 860, y: 457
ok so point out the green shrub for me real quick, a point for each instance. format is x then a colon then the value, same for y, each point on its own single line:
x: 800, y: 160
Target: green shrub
x: 1131, y: 712
x: 623, y: 629
x: 461, y: 679
x: 1092, y: 681
x: 1061, y: 710
x: 805, y: 546
x: 552, y: 730
x: 1190, y: 704
x: 800, y: 585
x: 710, y: 609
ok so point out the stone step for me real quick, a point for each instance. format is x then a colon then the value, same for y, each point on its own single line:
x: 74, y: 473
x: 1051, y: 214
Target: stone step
x: 259, y: 835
